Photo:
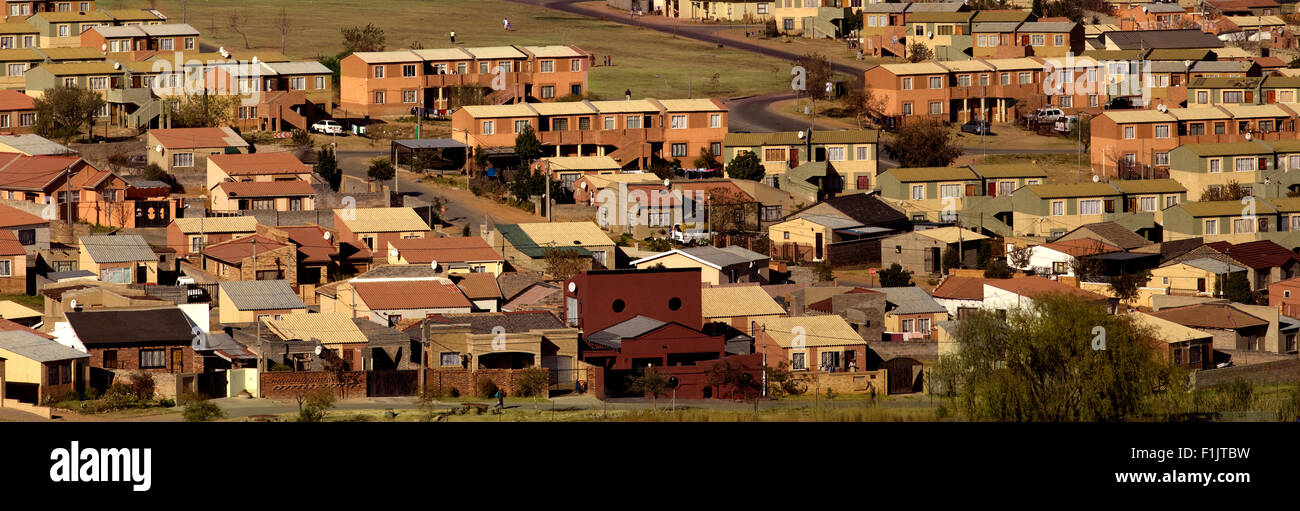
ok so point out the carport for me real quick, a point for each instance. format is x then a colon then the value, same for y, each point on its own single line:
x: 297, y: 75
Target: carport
x: 444, y: 153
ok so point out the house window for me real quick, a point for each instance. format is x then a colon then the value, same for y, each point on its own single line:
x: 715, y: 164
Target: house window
x: 379, y: 71
x: 196, y: 244
x: 907, y: 325
x: 263, y: 204
x: 949, y: 191
x: 918, y: 192
x: 1243, y: 225
x: 1006, y: 79
x: 167, y: 44
x: 715, y: 148
x: 409, y: 96
x: 6, y: 269
x: 1006, y: 187
x: 1066, y: 101
x: 1026, y: 77
x: 1293, y: 162
x: 65, y: 30
x: 98, y: 82
x: 799, y: 361
x: 1161, y: 158
x: 787, y: 24
x: 1058, y: 208
x: 936, y: 108
x: 774, y: 154
x: 936, y: 82
x: 923, y: 325
x: 907, y: 83
x: 679, y: 149
x: 1220, y: 128
x: 548, y: 91
x: 150, y: 359
x: 298, y: 83
x: 770, y: 214
x: 575, y: 65
x: 632, y: 122
x: 69, y: 82
x: 520, y: 126
x: 1211, y: 227
x: 320, y: 83
x: 678, y: 122
x: 835, y: 153
x: 1060, y: 267
x: 1231, y: 96
x: 449, y: 358
x: 1171, y: 200
x: 1037, y: 40
x: 715, y: 120
x: 561, y: 124
x: 907, y: 108
x: 183, y: 159
x: 1162, y: 131
x: 189, y: 43
x: 963, y: 81
x: 611, y: 122
x: 27, y: 237
x: 1243, y: 164
x: 489, y: 127
x: 1090, y: 207
x: 17, y: 69
x: 1130, y: 132
x: 462, y: 68
x: 547, y: 66
x: 864, y: 153
x: 1202, y: 97
x: 379, y: 97
x: 984, y: 80
x: 4, y: 120
x: 1147, y: 203
x: 1060, y: 40
x: 1216, y: 165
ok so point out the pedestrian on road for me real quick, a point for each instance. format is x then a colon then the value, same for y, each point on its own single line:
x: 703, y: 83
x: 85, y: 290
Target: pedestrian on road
x: 453, y: 37
x: 501, y: 400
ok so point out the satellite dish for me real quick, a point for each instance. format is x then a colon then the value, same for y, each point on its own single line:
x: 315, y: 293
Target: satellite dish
x: 1248, y: 136
x: 117, y: 65
x: 667, y: 183
x: 327, y: 235
x: 1096, y: 179
x: 254, y: 59
x: 801, y: 134
x: 74, y: 304
x: 573, y: 287
x: 393, y: 253
x: 103, y: 47
x: 319, y: 349
x: 584, y: 185
x: 434, y: 265
x: 158, y: 148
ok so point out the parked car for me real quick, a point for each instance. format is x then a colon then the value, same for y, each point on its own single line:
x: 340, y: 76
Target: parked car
x: 328, y: 127
x: 1066, y: 123
x: 978, y: 128
x: 1047, y: 115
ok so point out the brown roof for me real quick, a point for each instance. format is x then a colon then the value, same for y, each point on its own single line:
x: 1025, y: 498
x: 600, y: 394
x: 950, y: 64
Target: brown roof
x: 267, y: 188
x: 12, y: 217
x: 191, y: 138
x: 1034, y: 286
x: 10, y: 326
x: 235, y: 251
x: 260, y: 163
x: 479, y: 286
x: 20, y: 171
x: 514, y: 282
x: 1260, y: 254
x: 961, y: 288
x: 445, y: 250
x: 57, y: 292
x: 1113, y: 233
x: 11, y: 100
x: 1210, y: 315
x: 9, y: 244
x: 312, y: 245
x: 411, y: 294
x: 1078, y: 248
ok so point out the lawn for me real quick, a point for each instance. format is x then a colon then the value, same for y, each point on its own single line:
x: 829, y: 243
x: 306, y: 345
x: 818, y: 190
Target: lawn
x: 647, y: 62
x: 36, y: 303
x: 1061, y: 167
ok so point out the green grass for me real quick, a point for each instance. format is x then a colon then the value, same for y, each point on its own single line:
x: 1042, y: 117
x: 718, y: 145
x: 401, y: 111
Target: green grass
x: 33, y: 302
x: 639, y: 54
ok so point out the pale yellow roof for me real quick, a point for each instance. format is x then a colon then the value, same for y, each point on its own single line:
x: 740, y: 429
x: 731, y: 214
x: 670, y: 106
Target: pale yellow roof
x: 828, y: 330
x: 329, y: 327
x: 950, y: 234
x: 564, y: 234
x: 443, y: 54
x: 1240, y: 111
x: 1166, y: 330
x: 615, y: 107
x: 603, y: 180
x: 1014, y: 64
x: 1077, y: 62
x: 1128, y: 116
x: 1286, y: 71
x: 562, y: 163
x: 733, y: 301
x: 690, y: 105
x: 1198, y: 113
x: 489, y: 111
x: 1093, y: 30
x: 919, y: 68
x: 566, y: 108
x: 552, y: 51
x: 385, y: 57
x: 966, y: 66
x: 10, y: 309
x: 496, y: 52
x: 382, y: 220
x: 1230, y: 52
x: 217, y: 224
x: 1251, y: 21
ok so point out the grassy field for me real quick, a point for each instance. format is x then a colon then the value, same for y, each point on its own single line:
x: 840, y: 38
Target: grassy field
x: 643, y: 59
x: 34, y: 302
x: 1061, y: 167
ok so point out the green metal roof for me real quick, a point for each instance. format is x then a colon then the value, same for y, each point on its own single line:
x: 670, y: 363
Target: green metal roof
x: 1009, y: 170
x: 1226, y: 148
x: 523, y: 243
x: 925, y: 174
x: 1079, y: 190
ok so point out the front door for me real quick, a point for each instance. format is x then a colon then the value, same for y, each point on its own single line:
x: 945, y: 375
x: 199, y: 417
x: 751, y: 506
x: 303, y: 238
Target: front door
x: 819, y: 246
x: 993, y: 190
x: 110, y: 359
x: 178, y: 360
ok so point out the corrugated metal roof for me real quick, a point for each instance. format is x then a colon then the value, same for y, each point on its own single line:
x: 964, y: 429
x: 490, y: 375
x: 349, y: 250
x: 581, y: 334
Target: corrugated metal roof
x: 1212, y: 265
x: 919, y: 68
x: 910, y: 300
x: 691, y: 105
x: 951, y: 234
x: 966, y: 65
x: 1047, y: 26
x: 327, y: 327
x: 825, y: 330
x: 613, y: 335
x: 496, y: 52
x: 553, y: 51
x: 387, y: 57
x: 997, y: 26
x: 996, y: 170
x: 1246, y: 111
x: 561, y: 163
x: 928, y: 174
x: 169, y: 29
x: 563, y: 108
x: 1166, y: 330
x: 117, y: 248
x: 309, y: 67
x: 625, y: 106
x: 1014, y: 64
x: 735, y: 301
x: 1131, y: 116
x: 37, y: 348
x: 261, y: 295
x: 382, y: 220
x: 443, y: 54
x: 1223, y: 208
x: 566, y: 234
x: 1148, y: 186
x: 217, y: 224
x: 488, y: 111
x: 1077, y: 190
x: 10, y: 309
x: 1227, y: 148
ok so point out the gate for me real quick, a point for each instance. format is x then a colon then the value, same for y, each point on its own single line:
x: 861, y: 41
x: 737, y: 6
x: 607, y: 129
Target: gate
x: 213, y: 384
x: 902, y: 378
x: 152, y: 213
x: 389, y: 383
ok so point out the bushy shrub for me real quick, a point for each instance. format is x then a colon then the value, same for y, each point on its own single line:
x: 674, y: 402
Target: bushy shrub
x: 142, y: 385
x: 166, y: 402
x: 309, y: 414
x: 359, y: 417
x: 117, y: 397
x: 202, y: 411
x: 487, y: 387
x: 534, y: 381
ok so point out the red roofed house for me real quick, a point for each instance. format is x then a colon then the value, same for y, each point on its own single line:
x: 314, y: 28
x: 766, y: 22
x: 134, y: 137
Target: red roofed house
x: 33, y: 231
x: 188, y: 149
x: 1267, y: 261
x: 960, y: 295
x: 482, y: 289
x: 470, y: 254
x: 36, y: 178
x: 1285, y: 295
x: 1055, y: 258
x: 316, y: 254
x: 13, y: 264
x: 276, y: 181
x: 100, y: 199
x: 1019, y: 293
x: 236, y: 259
x: 1232, y: 328
x: 387, y: 302
x: 17, y: 112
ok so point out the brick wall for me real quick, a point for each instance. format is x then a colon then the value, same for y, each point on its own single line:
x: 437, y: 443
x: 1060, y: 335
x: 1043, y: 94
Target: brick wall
x: 128, y: 359
x: 854, y: 252
x: 289, y: 384
x: 465, y: 381
x: 1282, y: 371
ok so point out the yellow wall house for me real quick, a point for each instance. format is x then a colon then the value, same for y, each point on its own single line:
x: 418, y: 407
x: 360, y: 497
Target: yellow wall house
x: 807, y: 236
x: 1194, y: 277
x: 247, y: 301
x: 810, y: 343
x: 121, y: 259
x: 34, y: 368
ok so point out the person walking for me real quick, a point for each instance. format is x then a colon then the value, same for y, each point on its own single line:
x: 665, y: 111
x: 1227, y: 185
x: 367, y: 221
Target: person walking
x: 453, y: 37
x: 501, y: 400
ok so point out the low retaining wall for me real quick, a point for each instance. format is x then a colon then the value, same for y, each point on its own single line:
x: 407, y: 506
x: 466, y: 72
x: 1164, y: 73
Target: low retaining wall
x: 290, y: 384
x: 43, y: 411
x: 465, y: 381
x: 1281, y: 371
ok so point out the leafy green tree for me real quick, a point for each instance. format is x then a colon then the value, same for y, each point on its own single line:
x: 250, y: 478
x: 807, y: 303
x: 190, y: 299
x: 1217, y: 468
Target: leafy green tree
x: 923, y: 144
x: 997, y: 270
x: 201, y: 110
x: 746, y: 166
x: 381, y: 169
x: 1040, y: 364
x: 527, y: 146
x: 480, y: 158
x: 1127, y: 285
x: 202, y: 411
x: 895, y: 276
x: 824, y: 271
x: 951, y: 258
x: 649, y: 381
x: 706, y: 160
x: 819, y: 72
x: 919, y: 52
x: 1236, y: 288
x: 62, y: 112
x: 327, y: 167
x: 367, y: 38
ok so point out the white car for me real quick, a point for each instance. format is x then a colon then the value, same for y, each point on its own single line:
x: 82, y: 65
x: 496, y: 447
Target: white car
x: 1048, y: 115
x: 328, y: 127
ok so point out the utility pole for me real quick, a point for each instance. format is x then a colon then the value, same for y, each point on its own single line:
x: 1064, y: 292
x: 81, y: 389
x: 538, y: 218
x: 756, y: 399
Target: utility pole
x: 67, y: 180
x: 424, y: 351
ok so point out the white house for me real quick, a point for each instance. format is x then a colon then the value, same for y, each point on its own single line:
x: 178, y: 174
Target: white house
x: 1054, y: 259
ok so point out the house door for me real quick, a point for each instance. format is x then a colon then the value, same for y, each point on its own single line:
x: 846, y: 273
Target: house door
x: 1200, y: 285
x: 141, y: 274
x: 1024, y: 40
x: 819, y: 246
x: 178, y: 360
x: 110, y: 359
x: 794, y: 157
x: 1272, y: 96
x: 932, y: 259
x: 993, y: 190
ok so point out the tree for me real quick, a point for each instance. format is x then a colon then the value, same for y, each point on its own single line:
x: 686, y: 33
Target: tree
x: 314, y: 404
x: 706, y: 160
x: 1087, y: 268
x: 1019, y: 257
x: 923, y: 144
x: 746, y: 166
x: 1039, y: 8
x: 997, y: 270
x: 895, y: 276
x: 367, y: 38
x: 1126, y: 286
x: 533, y: 381
x: 1041, y: 364
x: 381, y: 169
x: 564, y: 263
x: 862, y: 102
x: 731, y: 374
x: 729, y: 210
x: 1235, y: 287
x: 202, y: 110
x: 919, y: 52
x: 327, y: 167
x: 236, y: 23
x: 527, y: 147
x: 62, y: 112
x: 527, y: 183
x: 1233, y: 191
x: 951, y: 258
x: 824, y: 271
x: 1081, y: 131
x: 480, y: 158
x: 818, y: 72
x: 283, y: 24
x: 650, y: 381
x: 1072, y: 9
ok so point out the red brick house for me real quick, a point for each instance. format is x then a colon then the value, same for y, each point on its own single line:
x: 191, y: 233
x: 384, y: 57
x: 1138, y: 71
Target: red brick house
x: 13, y: 264
x: 149, y: 340
x: 17, y: 112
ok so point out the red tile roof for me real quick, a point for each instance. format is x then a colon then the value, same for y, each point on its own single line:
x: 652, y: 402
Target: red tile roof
x: 312, y: 245
x: 11, y: 100
x: 34, y: 173
x: 480, y: 286
x: 260, y: 163
x: 1034, y: 286
x: 410, y: 294
x: 961, y: 288
x: 445, y: 250
x: 193, y: 138
x: 267, y: 188
x: 1210, y: 315
x: 10, y: 326
x: 1260, y: 254
x: 235, y: 251
x: 13, y: 217
x: 9, y: 244
x: 1082, y: 247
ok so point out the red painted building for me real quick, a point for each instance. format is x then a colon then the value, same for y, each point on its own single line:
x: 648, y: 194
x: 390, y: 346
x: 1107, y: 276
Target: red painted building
x: 595, y: 300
